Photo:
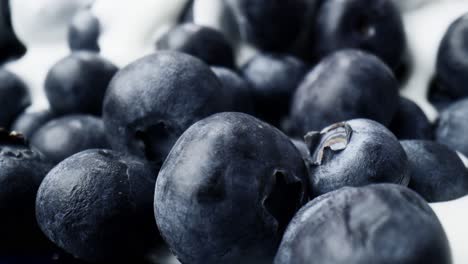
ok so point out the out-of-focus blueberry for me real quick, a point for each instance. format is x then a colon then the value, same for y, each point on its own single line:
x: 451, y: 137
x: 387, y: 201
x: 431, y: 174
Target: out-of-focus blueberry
x: 451, y: 128
x: 410, y: 122
x: 29, y: 122
x: 83, y: 32
x: 14, y: 97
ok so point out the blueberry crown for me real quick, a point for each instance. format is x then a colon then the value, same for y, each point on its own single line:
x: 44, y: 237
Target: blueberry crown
x: 12, y: 138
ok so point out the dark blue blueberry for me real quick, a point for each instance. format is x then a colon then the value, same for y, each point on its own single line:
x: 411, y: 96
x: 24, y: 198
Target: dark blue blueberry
x: 205, y: 43
x: 78, y: 83
x: 84, y: 31
x: 21, y: 171
x: 60, y: 138
x: 228, y: 189
x: 236, y: 88
x: 451, y: 128
x: 273, y: 79
x: 270, y: 25
x: 345, y: 85
x: 186, y: 16
x: 152, y: 101
x: 372, y: 25
x: 10, y: 46
x: 14, y: 97
x: 355, y: 153
x: 29, y: 122
x: 97, y: 205
x: 451, y: 78
x: 377, y: 224
x: 436, y: 172
x: 410, y: 122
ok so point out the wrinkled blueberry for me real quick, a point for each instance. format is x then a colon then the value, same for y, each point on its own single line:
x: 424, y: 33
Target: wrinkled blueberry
x: 451, y: 128
x: 372, y: 25
x: 29, y: 122
x: 270, y: 25
x: 377, y: 224
x: 436, y: 172
x: 347, y: 84
x: 77, y: 83
x: 97, y: 205
x: 60, y: 138
x: 14, y: 97
x: 10, y: 46
x: 236, y: 88
x: 274, y: 79
x: 83, y: 32
x: 152, y: 101
x: 355, y: 153
x: 21, y: 171
x: 451, y: 78
x: 205, y: 43
x: 410, y: 122
x: 227, y: 190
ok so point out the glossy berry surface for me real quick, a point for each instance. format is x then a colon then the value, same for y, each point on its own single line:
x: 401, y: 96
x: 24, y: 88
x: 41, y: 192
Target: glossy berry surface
x: 83, y: 32
x: 410, y: 122
x: 355, y: 153
x: 97, y: 206
x: 152, y: 101
x: 436, y: 172
x: 451, y: 130
x: 60, y: 138
x: 14, y: 97
x: 237, y: 181
x: 77, y: 83
x: 28, y: 123
x: 377, y: 224
x: 371, y: 25
x: 345, y: 85
x: 205, y: 43
x: 273, y: 79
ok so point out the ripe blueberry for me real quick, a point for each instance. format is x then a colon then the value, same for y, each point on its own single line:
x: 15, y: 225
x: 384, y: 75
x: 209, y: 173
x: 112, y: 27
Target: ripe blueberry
x: 410, y: 122
x: 14, y: 97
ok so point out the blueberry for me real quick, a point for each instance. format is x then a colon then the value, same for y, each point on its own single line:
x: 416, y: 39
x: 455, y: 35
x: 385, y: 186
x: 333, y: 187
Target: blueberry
x: 236, y: 88
x: 270, y: 25
x: 152, y: 101
x: 377, y: 224
x: 29, y: 122
x: 355, y: 153
x: 372, y: 25
x: 77, y: 83
x: 436, y: 172
x: 451, y: 79
x: 84, y: 31
x: 345, y: 85
x: 451, y: 130
x: 274, y: 79
x: 14, y: 97
x: 60, y: 138
x: 21, y: 171
x: 205, y: 43
x: 302, y: 147
x: 10, y: 46
x: 410, y: 122
x: 97, y: 206
x: 227, y: 190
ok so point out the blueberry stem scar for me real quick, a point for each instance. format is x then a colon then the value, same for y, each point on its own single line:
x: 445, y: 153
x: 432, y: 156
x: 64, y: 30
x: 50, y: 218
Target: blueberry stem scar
x: 335, y: 137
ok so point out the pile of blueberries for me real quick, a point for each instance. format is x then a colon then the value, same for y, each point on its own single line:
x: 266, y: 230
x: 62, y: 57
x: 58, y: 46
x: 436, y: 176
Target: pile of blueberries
x: 304, y: 154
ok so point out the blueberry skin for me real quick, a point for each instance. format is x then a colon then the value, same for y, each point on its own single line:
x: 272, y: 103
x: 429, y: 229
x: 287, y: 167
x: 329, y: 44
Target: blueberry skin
x: 451, y: 130
x: 371, y: 25
x: 21, y: 171
x: 436, y: 172
x: 270, y: 25
x: 97, y: 205
x: 152, y: 101
x: 205, y: 43
x: 78, y: 83
x: 410, y: 122
x: 84, y: 31
x: 379, y: 224
x: 60, y: 138
x: 345, y: 85
x: 10, y: 46
x: 274, y: 79
x: 29, y: 122
x: 451, y: 79
x: 237, y: 88
x: 14, y: 97
x: 237, y: 181
x: 355, y: 153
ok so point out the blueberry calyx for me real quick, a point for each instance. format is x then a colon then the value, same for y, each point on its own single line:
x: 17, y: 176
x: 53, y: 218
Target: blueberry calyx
x: 12, y: 138
x: 335, y: 137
